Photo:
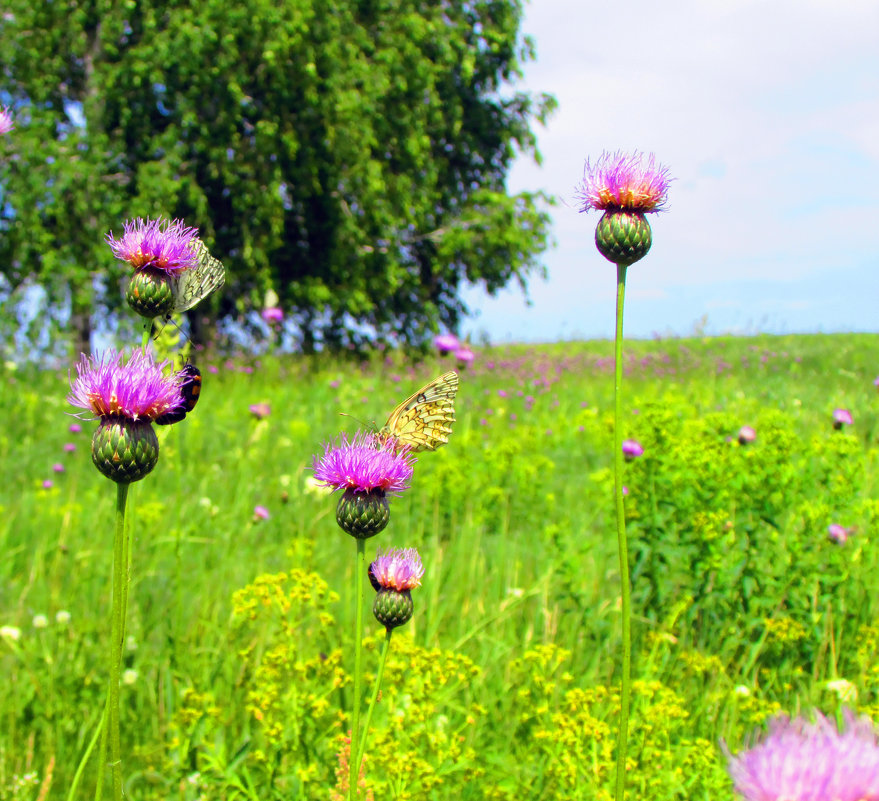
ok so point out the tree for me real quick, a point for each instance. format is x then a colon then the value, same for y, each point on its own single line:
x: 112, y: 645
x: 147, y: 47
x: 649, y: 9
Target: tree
x: 351, y: 156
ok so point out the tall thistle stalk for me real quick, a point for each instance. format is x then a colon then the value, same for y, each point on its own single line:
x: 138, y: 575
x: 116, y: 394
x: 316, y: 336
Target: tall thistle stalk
x: 128, y: 395
x: 625, y: 189
x: 368, y: 470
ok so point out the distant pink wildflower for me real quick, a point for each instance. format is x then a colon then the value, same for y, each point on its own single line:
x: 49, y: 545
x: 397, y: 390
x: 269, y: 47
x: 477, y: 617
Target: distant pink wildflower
x: 446, y: 342
x: 273, y: 315
x: 6, y: 123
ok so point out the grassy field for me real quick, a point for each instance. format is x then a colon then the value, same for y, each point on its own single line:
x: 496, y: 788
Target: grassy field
x: 504, y: 684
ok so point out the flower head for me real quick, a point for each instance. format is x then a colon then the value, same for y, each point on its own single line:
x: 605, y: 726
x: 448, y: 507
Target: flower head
x: 6, y: 124
x: 273, y: 315
x: 261, y: 513
x: 57, y: 467
x: 363, y: 464
x: 622, y: 182
x: 746, y: 434
x: 75, y: 428
x: 446, y: 342
x: 632, y: 449
x: 396, y: 569
x: 808, y: 761
x: 838, y: 534
x: 842, y: 417
x: 260, y: 410
x: 137, y: 389
x: 162, y: 244
x: 464, y: 355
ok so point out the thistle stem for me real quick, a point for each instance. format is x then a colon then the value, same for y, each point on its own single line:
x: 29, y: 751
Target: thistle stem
x: 625, y: 692
x: 386, y: 647
x: 117, y: 635
x: 147, y: 332
x: 359, y: 571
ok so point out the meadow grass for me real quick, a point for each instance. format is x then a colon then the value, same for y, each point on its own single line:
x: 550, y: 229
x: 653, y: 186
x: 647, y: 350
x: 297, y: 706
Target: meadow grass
x: 504, y: 683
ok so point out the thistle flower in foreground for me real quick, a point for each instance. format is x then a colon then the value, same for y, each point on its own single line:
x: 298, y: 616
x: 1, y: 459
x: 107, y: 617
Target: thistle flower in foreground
x: 368, y: 470
x: 803, y: 761
x: 159, y: 250
x: 6, y: 123
x: 127, y: 396
x: 625, y: 189
x: 393, y: 575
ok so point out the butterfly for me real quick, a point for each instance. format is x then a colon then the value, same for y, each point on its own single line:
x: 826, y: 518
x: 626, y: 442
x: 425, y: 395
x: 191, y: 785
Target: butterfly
x: 196, y: 283
x: 424, y: 421
x: 190, y: 391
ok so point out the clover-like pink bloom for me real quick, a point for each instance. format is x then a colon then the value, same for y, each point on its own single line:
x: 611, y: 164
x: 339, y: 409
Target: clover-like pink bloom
x: 166, y: 245
x: 799, y: 760
x: 364, y: 463
x: 464, y: 355
x: 260, y: 410
x: 136, y: 389
x: 397, y: 568
x: 446, y: 342
x: 273, y: 315
x: 623, y: 182
x: 632, y: 449
x: 261, y: 513
x: 6, y: 123
x: 842, y: 417
x: 746, y: 434
x: 838, y: 534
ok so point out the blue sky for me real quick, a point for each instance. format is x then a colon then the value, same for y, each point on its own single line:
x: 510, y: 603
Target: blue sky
x: 766, y: 113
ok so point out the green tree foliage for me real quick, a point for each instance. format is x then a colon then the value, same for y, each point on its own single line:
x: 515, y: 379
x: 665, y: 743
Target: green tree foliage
x: 351, y: 156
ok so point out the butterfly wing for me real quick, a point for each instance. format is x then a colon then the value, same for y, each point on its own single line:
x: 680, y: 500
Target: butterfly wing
x: 197, y: 283
x: 424, y: 420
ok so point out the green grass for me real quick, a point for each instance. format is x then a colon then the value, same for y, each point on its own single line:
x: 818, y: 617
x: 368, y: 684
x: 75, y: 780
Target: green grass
x: 503, y: 684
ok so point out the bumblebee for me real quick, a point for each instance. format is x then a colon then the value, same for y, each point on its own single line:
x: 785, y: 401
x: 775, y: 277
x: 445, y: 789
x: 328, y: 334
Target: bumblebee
x: 190, y: 391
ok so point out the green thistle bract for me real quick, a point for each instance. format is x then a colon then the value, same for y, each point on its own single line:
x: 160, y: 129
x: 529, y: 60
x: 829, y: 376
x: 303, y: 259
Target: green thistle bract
x: 393, y: 608
x: 125, y: 450
x: 623, y: 237
x: 150, y: 293
x: 363, y: 514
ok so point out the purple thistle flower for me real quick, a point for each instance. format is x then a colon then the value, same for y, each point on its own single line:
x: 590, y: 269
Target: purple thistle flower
x: 464, y: 355
x: 632, y: 449
x: 398, y: 569
x: 138, y: 389
x: 273, y: 315
x: 842, y: 417
x: 75, y: 428
x: 446, y: 342
x: 260, y: 410
x: 57, y: 467
x: 260, y: 513
x: 838, y: 534
x: 807, y: 761
x: 48, y: 484
x: 69, y: 447
x: 746, y: 434
x: 363, y: 464
x: 621, y: 182
x: 161, y: 244
x: 6, y: 123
